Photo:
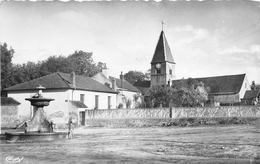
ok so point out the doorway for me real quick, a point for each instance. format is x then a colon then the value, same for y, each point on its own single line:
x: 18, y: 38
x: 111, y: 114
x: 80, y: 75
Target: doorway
x: 82, y: 118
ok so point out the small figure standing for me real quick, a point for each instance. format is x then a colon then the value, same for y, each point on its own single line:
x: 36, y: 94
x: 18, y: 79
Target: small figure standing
x: 51, y: 126
x: 25, y: 127
x: 70, y: 132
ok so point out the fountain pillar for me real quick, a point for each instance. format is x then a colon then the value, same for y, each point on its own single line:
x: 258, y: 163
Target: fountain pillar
x: 39, y: 122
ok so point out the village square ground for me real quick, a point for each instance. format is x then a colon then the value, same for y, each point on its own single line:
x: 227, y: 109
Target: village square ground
x: 204, y: 144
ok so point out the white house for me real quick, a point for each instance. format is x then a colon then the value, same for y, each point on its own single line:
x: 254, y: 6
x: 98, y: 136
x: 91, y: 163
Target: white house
x: 126, y: 91
x: 73, y: 95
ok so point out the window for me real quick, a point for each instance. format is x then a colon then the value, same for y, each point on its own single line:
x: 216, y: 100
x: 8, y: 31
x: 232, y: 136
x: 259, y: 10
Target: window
x: 245, y: 85
x: 82, y: 98
x: 158, y: 71
x: 170, y: 71
x: 96, y: 101
x: 109, y: 102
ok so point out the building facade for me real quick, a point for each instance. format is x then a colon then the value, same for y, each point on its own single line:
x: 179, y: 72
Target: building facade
x: 73, y: 95
x: 126, y: 91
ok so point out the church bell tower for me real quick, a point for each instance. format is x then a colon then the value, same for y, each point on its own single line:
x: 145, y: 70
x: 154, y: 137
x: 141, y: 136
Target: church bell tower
x: 162, y: 64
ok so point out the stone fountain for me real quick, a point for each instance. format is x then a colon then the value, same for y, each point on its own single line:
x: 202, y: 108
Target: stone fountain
x: 39, y: 127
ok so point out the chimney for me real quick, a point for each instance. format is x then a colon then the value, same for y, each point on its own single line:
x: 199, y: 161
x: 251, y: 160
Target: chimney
x: 121, y: 79
x: 73, y: 78
x: 105, y: 70
x: 114, y: 84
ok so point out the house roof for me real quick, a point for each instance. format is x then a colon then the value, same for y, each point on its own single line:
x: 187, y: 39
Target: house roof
x: 143, y: 86
x: 142, y: 89
x: 144, y: 83
x: 62, y: 81
x: 8, y: 101
x: 126, y: 84
x: 230, y: 84
x: 251, y: 94
x: 162, y: 51
x: 78, y: 104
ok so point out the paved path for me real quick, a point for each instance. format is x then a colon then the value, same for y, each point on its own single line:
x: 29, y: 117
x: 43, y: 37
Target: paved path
x: 226, y: 144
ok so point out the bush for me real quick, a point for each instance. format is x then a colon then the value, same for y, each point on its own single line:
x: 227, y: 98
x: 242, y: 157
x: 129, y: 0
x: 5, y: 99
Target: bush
x: 120, y: 106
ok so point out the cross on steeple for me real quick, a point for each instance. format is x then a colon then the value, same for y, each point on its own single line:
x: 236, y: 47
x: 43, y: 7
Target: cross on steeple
x: 162, y: 25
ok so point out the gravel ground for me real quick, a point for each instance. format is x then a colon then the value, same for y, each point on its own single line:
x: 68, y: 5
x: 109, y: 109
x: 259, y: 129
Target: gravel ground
x: 209, y: 144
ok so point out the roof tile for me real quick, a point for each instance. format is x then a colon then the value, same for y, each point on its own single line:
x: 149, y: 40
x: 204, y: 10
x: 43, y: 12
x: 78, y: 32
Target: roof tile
x: 62, y: 81
x: 79, y: 104
x: 8, y: 101
x: 162, y: 51
x: 222, y: 84
x: 126, y: 84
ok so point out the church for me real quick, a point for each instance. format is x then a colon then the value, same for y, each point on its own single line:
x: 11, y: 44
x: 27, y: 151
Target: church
x: 228, y: 89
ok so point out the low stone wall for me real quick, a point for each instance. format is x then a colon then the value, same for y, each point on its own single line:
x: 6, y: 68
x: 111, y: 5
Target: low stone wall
x: 9, y: 116
x: 163, y: 122
x: 225, y: 111
x: 123, y: 123
x: 150, y: 117
x: 127, y: 113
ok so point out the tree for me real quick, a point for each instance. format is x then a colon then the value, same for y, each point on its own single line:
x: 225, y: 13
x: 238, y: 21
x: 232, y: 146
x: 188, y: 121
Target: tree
x: 127, y: 101
x: 6, y: 65
x: 83, y: 63
x: 80, y: 62
x: 100, y: 66
x: 253, y: 86
x: 160, y: 95
x: 55, y: 64
x: 147, y: 75
x: 188, y: 93
x: 139, y: 100
x: 133, y: 76
x: 257, y: 86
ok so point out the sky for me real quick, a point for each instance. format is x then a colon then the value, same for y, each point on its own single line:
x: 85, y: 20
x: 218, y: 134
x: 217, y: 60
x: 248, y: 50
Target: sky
x: 207, y: 38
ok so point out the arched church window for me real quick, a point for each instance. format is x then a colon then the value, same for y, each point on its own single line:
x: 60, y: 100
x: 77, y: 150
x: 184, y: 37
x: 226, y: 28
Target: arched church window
x: 170, y: 71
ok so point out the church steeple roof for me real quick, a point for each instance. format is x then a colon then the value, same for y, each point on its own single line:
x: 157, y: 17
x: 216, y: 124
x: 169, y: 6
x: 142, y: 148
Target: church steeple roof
x: 162, y: 52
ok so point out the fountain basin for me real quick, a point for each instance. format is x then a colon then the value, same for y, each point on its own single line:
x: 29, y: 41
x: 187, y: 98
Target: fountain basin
x: 39, y: 102
x: 35, y: 136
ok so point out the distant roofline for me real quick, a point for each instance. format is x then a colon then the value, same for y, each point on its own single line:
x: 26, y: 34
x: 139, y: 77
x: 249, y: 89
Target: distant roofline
x: 224, y: 93
x: 35, y: 89
x: 210, y: 76
x: 63, y: 88
x: 136, y: 90
x: 9, y: 89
